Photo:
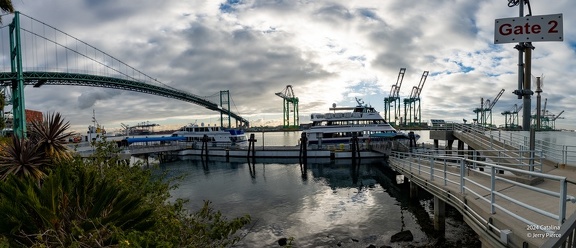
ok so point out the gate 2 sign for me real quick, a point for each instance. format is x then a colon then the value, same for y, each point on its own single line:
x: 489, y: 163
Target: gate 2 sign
x: 529, y: 29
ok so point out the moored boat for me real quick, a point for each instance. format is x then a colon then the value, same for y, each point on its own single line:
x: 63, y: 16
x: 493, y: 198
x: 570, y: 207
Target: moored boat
x: 95, y: 131
x: 339, y: 126
x: 216, y: 136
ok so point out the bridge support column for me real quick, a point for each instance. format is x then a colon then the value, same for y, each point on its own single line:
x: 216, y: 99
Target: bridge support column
x: 18, y: 108
x: 449, y: 145
x: 413, y: 191
x: 470, y: 152
x: 460, y: 148
x: 439, y: 216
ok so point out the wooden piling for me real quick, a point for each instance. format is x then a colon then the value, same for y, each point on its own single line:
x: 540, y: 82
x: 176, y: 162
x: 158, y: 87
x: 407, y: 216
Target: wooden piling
x: 303, y: 155
x: 413, y: 191
x: 412, y: 139
x: 251, y: 147
x: 439, y: 216
x: 204, y: 151
x: 355, y: 148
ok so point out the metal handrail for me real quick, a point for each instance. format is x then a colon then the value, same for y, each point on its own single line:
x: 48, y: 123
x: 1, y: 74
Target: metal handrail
x: 414, y: 164
x: 564, y: 154
x: 523, y: 161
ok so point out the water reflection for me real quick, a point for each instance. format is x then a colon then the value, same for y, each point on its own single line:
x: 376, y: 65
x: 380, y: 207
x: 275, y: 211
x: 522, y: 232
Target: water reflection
x: 319, y: 202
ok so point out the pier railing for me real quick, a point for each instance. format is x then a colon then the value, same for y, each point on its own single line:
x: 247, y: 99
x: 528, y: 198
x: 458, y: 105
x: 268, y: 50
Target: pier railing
x: 518, y: 140
x: 519, y: 159
x: 463, y: 174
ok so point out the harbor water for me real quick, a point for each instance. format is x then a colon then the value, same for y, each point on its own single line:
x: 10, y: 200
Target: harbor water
x: 323, y: 204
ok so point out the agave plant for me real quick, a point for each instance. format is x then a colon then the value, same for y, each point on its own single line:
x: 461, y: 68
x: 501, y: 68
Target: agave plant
x: 51, y: 136
x: 71, y: 208
x: 22, y: 158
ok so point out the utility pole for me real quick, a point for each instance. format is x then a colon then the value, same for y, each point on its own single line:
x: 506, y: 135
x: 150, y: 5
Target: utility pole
x: 524, y: 72
x: 538, y: 100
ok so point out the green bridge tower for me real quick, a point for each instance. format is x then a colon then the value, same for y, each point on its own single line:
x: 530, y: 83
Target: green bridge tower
x: 18, y: 108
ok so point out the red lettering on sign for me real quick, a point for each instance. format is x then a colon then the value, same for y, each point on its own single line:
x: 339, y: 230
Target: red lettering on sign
x: 505, y: 29
x: 553, y: 28
x: 518, y: 30
x: 536, y: 29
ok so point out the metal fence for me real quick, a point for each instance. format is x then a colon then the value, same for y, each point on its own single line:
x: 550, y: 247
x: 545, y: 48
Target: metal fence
x: 455, y: 170
x: 563, y: 154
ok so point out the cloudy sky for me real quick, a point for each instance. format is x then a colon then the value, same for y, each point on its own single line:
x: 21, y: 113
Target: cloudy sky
x: 329, y: 51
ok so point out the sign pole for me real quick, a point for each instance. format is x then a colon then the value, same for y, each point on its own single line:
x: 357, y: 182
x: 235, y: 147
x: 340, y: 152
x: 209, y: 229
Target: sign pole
x: 525, y: 30
x: 520, y: 58
x: 527, y: 101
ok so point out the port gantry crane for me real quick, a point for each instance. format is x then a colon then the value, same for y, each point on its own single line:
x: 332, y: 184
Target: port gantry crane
x: 289, y: 99
x: 485, y: 113
x: 410, y: 103
x: 511, y: 117
x: 554, y: 118
x: 394, y: 97
x: 540, y: 119
x: 547, y: 119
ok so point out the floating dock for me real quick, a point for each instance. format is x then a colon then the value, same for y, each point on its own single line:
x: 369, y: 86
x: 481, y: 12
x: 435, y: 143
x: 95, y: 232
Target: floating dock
x: 279, y: 152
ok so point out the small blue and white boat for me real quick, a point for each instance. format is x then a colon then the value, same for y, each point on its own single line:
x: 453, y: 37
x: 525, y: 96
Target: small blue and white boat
x: 216, y: 135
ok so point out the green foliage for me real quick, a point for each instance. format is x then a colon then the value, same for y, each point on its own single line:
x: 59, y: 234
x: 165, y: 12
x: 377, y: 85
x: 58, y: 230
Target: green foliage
x: 72, y: 207
x: 51, y: 135
x: 102, y: 201
x: 175, y: 226
x: 22, y: 158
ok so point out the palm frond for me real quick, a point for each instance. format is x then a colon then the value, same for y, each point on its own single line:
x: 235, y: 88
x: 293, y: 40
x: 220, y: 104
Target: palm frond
x: 6, y: 6
x: 21, y: 158
x: 51, y: 136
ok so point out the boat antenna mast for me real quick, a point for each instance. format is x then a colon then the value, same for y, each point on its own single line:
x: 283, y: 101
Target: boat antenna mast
x: 360, y: 102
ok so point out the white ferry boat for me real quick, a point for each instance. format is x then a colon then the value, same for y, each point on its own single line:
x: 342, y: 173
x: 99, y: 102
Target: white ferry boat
x: 216, y: 135
x: 339, y: 126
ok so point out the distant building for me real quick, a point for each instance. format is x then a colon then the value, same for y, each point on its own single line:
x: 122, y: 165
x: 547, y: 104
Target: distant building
x: 436, y: 123
x: 33, y: 115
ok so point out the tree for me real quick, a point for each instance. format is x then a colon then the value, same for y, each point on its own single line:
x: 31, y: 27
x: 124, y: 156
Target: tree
x: 6, y: 6
x: 69, y: 202
x: 22, y: 158
x: 51, y: 136
x: 72, y: 208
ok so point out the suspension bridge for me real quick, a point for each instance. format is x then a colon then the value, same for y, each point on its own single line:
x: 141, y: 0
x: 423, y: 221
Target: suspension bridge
x: 38, y: 54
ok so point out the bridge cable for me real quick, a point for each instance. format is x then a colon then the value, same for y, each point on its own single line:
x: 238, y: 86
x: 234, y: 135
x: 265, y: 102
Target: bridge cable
x: 234, y: 104
x: 103, y: 53
x: 96, y: 49
x: 2, y: 46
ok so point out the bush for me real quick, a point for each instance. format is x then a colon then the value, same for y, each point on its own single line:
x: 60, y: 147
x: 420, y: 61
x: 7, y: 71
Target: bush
x: 103, y: 202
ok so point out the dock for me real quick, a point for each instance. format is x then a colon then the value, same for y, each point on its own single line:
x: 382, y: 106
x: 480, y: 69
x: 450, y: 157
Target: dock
x: 509, y: 195
x: 147, y: 146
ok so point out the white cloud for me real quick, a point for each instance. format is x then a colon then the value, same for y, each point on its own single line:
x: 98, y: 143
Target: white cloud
x: 330, y: 52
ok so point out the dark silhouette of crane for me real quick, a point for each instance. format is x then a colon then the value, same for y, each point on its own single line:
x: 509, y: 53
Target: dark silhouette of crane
x: 393, y: 99
x: 290, y: 100
x: 554, y: 118
x: 483, y: 114
x: 410, y: 104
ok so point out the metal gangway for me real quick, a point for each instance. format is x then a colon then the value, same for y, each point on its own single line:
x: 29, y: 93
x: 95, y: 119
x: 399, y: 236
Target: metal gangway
x: 510, y: 195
